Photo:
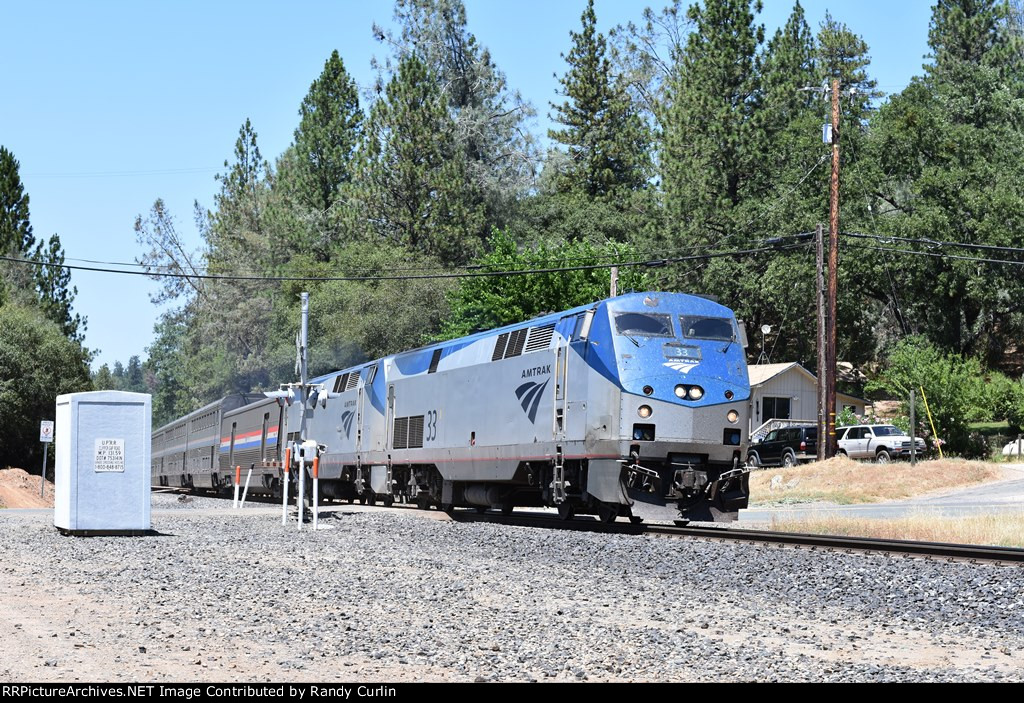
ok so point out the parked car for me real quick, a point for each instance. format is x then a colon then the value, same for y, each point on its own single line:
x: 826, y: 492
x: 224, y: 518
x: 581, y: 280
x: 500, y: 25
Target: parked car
x: 786, y: 446
x: 883, y: 443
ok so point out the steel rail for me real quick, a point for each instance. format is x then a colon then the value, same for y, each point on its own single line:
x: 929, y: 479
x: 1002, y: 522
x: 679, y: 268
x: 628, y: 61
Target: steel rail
x: 937, y: 550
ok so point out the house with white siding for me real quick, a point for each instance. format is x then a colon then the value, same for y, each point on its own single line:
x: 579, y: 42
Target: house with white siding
x: 788, y: 392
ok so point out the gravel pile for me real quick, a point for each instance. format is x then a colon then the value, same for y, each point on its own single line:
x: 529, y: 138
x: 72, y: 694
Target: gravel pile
x: 393, y: 595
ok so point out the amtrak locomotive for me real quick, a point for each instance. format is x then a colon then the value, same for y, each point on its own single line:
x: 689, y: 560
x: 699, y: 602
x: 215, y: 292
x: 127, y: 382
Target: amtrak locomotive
x: 642, y: 397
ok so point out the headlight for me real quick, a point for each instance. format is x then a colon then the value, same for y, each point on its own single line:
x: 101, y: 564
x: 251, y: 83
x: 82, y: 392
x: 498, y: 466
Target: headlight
x: 696, y: 393
x: 644, y: 411
x: 681, y: 391
x: 733, y: 417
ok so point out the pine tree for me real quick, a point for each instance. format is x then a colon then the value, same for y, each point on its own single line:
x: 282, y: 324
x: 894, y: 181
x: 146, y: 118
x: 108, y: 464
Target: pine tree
x: 606, y: 139
x: 417, y: 191
x: 328, y: 135
x: 488, y: 119
x: 706, y: 159
x: 15, y: 229
x: 56, y: 295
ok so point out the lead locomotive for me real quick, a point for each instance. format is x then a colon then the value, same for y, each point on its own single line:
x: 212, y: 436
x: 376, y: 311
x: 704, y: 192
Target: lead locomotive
x: 640, y: 397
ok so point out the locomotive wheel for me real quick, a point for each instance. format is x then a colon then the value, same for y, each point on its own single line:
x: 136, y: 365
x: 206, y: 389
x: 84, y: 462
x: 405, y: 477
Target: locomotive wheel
x: 448, y: 508
x: 371, y: 498
x: 507, y: 508
x: 362, y: 499
x: 423, y: 501
x: 566, y: 510
x: 388, y: 501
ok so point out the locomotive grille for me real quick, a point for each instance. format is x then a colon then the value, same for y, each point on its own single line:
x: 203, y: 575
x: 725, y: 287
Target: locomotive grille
x: 353, y: 381
x: 408, y: 433
x: 416, y: 432
x: 499, y: 347
x: 400, y: 437
x: 540, y: 338
x: 516, y: 343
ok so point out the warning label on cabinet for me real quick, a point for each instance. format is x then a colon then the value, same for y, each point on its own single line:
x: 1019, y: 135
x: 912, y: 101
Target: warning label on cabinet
x: 109, y: 455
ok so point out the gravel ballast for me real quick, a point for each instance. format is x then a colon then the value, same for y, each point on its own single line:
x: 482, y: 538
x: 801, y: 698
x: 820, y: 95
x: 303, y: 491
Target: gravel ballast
x: 403, y: 595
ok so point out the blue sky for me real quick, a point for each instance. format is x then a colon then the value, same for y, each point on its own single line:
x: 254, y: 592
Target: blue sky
x: 110, y: 105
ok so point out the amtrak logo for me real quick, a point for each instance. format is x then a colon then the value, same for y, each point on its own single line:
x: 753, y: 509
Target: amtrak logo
x: 529, y: 397
x: 346, y: 421
x: 682, y: 366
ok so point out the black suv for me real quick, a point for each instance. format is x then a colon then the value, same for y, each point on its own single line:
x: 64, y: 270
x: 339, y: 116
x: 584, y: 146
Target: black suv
x: 786, y: 446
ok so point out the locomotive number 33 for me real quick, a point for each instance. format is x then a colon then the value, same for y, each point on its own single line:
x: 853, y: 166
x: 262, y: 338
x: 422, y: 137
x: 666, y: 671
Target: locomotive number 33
x: 431, y: 430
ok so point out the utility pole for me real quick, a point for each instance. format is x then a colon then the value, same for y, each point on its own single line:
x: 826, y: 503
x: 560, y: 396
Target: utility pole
x: 819, y: 241
x: 833, y: 269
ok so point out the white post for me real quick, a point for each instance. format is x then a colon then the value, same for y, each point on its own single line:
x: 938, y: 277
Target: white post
x: 246, y: 491
x: 316, y: 492
x: 302, y: 485
x: 238, y: 471
x: 284, y: 492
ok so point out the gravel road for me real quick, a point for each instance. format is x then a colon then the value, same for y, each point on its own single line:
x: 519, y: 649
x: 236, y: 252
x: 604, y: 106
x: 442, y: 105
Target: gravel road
x: 404, y: 595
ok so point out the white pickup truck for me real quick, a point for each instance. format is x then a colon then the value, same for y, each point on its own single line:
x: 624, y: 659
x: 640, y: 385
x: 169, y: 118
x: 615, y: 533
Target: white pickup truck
x: 883, y: 443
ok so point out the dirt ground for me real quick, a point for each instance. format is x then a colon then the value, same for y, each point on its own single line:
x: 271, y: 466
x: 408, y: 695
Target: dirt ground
x: 20, y: 489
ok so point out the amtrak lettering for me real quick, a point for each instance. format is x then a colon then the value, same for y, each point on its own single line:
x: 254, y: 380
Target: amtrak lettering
x: 537, y: 371
x: 529, y: 395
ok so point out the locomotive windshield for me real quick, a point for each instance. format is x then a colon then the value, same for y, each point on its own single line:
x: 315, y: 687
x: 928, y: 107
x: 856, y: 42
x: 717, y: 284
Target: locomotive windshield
x: 643, y: 324
x: 717, y: 328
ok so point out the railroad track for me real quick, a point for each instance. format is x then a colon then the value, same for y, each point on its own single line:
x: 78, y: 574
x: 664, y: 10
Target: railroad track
x: 935, y: 550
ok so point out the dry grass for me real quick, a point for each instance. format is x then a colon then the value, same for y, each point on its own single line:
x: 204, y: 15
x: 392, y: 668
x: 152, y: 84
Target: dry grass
x: 1000, y: 529
x: 844, y: 481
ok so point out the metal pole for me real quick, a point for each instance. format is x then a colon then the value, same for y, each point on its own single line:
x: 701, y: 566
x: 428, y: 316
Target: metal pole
x: 42, y: 477
x: 238, y: 479
x: 819, y: 241
x: 833, y: 268
x: 913, y: 437
x: 615, y: 281
x: 304, y: 343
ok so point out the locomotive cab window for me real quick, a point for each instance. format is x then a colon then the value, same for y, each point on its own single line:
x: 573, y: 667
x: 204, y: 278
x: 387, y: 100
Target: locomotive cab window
x: 643, y: 324
x: 715, y: 328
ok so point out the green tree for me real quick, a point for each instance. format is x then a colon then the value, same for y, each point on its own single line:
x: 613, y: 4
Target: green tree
x: 950, y: 151
x: 487, y: 302
x: 328, y: 135
x: 37, y: 363
x: 953, y: 385
x: 417, y: 193
x: 706, y: 160
x: 607, y: 142
x: 488, y: 119
x: 16, y: 237
x: 56, y: 294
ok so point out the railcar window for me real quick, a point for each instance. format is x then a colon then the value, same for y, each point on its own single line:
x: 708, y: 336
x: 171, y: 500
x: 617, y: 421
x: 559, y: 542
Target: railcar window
x: 641, y: 324
x: 717, y: 328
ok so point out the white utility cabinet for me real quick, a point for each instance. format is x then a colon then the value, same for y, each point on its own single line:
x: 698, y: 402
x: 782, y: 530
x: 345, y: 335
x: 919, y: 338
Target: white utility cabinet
x: 102, y: 474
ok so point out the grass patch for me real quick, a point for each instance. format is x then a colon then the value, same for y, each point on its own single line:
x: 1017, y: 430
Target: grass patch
x: 844, y: 481
x: 999, y: 529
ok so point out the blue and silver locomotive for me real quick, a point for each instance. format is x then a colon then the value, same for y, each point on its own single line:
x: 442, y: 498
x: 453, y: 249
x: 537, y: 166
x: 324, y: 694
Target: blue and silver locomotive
x: 642, y: 397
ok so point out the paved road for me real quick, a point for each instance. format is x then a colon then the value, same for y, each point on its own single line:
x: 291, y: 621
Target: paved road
x: 999, y: 496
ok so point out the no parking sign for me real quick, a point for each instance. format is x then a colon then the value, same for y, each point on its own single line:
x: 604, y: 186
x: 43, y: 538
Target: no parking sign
x: 46, y: 431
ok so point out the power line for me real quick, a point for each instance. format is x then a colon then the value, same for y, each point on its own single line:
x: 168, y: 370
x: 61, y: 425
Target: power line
x: 651, y: 263
x: 937, y: 255
x: 935, y: 242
